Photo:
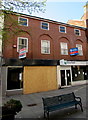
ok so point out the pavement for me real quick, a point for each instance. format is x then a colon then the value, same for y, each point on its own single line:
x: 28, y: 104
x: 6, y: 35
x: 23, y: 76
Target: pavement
x: 33, y: 106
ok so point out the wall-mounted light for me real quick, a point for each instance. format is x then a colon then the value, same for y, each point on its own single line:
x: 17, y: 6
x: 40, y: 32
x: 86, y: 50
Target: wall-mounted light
x: 14, y: 46
x: 75, y: 75
x: 85, y: 73
x: 78, y: 72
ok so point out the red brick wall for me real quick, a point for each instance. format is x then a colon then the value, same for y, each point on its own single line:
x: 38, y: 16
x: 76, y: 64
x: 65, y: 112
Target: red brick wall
x: 87, y: 39
x: 35, y: 34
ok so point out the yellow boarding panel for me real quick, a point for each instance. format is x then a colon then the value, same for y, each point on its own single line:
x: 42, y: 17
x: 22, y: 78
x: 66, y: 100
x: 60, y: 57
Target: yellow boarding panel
x: 39, y: 78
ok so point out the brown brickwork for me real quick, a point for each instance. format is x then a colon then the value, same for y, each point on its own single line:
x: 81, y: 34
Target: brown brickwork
x: 35, y: 34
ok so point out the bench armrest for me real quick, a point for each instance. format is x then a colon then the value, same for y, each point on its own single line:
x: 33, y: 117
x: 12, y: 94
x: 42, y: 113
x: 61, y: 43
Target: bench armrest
x: 78, y: 98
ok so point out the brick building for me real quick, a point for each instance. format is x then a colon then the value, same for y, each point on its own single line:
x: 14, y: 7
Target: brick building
x: 54, y: 54
x: 82, y: 22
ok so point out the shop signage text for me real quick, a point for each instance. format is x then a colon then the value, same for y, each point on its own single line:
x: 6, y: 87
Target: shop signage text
x: 65, y: 62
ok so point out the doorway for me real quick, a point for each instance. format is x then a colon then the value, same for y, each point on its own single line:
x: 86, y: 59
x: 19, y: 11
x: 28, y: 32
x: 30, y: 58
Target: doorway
x: 15, y: 78
x: 65, y: 77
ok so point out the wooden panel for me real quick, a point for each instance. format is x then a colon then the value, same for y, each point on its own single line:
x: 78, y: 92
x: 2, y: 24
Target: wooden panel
x: 39, y: 78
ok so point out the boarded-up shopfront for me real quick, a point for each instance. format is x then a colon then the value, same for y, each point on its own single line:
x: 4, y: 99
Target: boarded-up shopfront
x: 39, y: 78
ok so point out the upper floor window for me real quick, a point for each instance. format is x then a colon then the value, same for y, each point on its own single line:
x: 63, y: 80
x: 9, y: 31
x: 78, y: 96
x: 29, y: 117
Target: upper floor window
x: 80, y: 51
x: 45, y: 46
x: 77, y: 32
x: 64, y: 48
x: 62, y: 29
x: 45, y: 25
x: 22, y: 43
x: 23, y: 21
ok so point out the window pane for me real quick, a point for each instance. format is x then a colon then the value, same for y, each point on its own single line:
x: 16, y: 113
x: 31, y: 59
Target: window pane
x: 64, y: 52
x: 46, y: 50
x: 77, y: 32
x: 23, y: 21
x: 20, y: 47
x: 44, y: 43
x: 62, y: 29
x: 45, y: 46
x: 22, y: 43
x: 25, y: 42
x: 64, y: 48
x: 64, y: 45
x: 80, y: 52
x: 44, y: 25
x: 79, y: 46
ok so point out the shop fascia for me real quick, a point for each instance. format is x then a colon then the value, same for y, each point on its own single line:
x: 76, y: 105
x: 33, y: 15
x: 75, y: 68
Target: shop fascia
x: 65, y: 62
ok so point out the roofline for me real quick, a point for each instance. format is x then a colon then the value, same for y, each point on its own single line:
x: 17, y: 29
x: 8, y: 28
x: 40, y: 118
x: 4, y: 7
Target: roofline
x: 47, y: 20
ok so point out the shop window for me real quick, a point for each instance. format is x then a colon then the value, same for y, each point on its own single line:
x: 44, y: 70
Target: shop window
x: 15, y: 78
x: 45, y: 46
x: 64, y: 48
x: 79, y: 73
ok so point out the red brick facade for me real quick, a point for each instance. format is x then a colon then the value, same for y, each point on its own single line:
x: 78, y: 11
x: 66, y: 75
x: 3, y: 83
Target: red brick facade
x: 87, y: 39
x: 35, y: 34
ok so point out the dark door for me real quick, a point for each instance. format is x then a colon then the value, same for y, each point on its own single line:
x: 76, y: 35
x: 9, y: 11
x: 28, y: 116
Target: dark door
x: 68, y: 75
x: 63, y: 82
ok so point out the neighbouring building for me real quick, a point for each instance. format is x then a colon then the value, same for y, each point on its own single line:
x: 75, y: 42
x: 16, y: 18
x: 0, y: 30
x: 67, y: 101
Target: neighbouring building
x: 41, y: 54
x: 82, y: 21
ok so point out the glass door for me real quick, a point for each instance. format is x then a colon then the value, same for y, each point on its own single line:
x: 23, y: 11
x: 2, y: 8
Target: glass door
x: 65, y: 77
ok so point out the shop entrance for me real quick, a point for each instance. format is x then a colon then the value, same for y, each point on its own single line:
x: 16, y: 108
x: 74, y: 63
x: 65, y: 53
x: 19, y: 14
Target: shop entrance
x: 15, y: 78
x: 65, y: 77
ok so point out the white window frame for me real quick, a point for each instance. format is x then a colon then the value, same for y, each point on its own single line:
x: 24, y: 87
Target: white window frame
x: 18, y: 43
x: 23, y: 18
x: 60, y: 29
x: 81, y: 50
x: 64, y: 49
x: 42, y: 47
x: 75, y: 32
x: 47, y: 26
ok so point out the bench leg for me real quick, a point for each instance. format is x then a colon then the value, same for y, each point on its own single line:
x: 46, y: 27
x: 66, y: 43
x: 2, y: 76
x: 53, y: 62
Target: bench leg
x: 44, y: 114
x: 81, y: 107
x: 75, y: 106
x: 47, y: 115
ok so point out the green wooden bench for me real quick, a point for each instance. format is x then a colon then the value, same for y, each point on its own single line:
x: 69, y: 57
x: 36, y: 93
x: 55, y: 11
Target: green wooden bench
x: 59, y: 102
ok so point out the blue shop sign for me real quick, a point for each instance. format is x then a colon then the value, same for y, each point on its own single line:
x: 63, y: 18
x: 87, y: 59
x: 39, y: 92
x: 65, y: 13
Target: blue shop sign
x: 73, y: 51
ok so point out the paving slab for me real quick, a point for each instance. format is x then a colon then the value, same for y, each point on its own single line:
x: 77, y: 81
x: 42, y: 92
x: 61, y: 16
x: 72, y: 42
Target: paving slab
x: 33, y: 106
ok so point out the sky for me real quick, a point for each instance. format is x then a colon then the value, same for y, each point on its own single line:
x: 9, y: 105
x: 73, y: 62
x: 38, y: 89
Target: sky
x: 62, y: 10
